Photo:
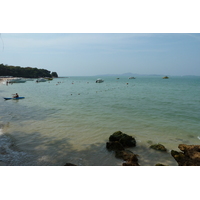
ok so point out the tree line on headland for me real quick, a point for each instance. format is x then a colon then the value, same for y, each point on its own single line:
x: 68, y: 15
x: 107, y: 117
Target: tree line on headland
x: 25, y: 72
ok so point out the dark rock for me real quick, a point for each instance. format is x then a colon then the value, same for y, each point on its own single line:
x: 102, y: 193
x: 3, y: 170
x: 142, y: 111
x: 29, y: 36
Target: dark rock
x: 114, y: 146
x: 130, y: 163
x: 124, y: 139
x: 70, y: 164
x: 159, y: 147
x: 128, y: 156
x: 189, y: 157
x: 118, y: 141
x: 179, y: 157
x: 124, y: 154
x: 159, y: 164
x: 127, y: 141
x: 115, y: 136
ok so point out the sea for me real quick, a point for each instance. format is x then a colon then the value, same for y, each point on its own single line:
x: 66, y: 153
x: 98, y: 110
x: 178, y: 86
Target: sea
x: 70, y: 119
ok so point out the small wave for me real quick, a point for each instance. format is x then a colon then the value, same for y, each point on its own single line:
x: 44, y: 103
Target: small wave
x: 1, y: 131
x: 198, y: 137
x: 8, y: 155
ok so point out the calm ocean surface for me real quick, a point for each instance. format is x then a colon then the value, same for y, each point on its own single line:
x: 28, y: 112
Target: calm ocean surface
x: 71, y: 121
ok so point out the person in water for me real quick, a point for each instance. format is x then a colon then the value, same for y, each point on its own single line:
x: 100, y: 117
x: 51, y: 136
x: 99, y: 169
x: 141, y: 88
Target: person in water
x: 16, y: 96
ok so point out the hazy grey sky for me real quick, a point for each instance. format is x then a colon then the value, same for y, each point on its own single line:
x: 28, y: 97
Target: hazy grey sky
x: 112, y: 53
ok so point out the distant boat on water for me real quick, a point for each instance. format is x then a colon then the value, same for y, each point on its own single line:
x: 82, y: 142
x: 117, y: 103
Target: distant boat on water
x: 16, y: 80
x: 49, y: 79
x: 131, y: 77
x: 29, y: 79
x: 165, y: 77
x: 14, y: 98
x: 99, y: 80
x: 41, y: 80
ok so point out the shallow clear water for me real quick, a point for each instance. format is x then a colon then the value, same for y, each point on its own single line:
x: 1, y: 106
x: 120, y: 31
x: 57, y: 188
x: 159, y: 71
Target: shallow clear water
x: 71, y: 121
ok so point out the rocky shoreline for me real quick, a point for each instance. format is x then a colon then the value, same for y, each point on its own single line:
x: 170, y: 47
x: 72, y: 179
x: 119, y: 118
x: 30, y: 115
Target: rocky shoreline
x: 119, y: 145
x: 119, y: 142
x: 190, y: 155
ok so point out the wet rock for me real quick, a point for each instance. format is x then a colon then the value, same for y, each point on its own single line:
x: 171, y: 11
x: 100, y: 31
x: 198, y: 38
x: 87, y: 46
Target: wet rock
x: 115, y: 136
x: 114, y: 146
x: 70, y: 164
x: 159, y: 147
x: 179, y: 157
x: 118, y: 141
x: 130, y: 163
x: 128, y: 156
x: 149, y: 142
x: 159, y: 164
x: 189, y: 157
x: 124, y: 154
x: 124, y: 139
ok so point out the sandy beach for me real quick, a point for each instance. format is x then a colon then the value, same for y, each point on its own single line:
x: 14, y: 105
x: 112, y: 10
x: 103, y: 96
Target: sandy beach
x: 3, y: 80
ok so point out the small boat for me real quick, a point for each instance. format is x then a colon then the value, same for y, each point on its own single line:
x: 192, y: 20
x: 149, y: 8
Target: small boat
x: 49, y: 79
x: 15, y: 98
x: 29, y: 79
x: 165, y: 77
x: 41, y: 80
x: 16, y: 80
x: 99, y: 80
x: 131, y: 77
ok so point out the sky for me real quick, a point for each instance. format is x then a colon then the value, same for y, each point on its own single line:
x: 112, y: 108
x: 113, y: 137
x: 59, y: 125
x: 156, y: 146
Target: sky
x: 88, y: 54
x: 88, y: 38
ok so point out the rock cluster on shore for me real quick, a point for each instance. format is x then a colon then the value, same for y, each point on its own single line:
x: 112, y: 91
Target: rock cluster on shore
x: 159, y: 147
x: 189, y: 157
x: 119, y: 142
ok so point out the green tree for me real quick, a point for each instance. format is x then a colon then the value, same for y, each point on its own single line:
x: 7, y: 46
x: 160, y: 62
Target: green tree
x: 26, y: 72
x: 54, y: 74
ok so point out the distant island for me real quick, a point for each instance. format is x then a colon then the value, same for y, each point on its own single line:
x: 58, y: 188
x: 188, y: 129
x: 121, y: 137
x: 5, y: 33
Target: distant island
x: 129, y: 74
x: 25, y: 72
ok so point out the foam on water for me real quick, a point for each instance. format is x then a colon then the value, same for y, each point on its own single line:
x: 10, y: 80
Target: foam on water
x: 9, y: 153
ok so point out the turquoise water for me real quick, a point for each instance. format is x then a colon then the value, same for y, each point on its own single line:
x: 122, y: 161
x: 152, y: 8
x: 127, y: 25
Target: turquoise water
x: 71, y: 119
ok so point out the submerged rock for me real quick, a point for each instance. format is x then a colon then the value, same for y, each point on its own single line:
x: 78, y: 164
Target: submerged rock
x: 159, y: 147
x: 149, y: 142
x: 114, y: 146
x: 70, y: 164
x: 159, y: 164
x: 124, y: 139
x: 189, y: 157
x: 128, y: 156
